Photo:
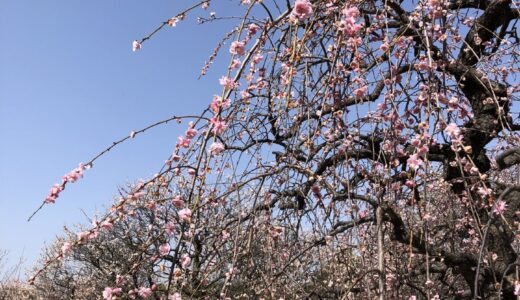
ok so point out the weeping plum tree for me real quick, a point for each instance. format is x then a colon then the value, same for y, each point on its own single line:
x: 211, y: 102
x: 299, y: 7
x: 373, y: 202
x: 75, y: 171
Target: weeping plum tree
x: 357, y: 150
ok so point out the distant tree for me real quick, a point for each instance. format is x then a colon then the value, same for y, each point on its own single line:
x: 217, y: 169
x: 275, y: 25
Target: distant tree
x: 11, y: 286
x: 357, y: 150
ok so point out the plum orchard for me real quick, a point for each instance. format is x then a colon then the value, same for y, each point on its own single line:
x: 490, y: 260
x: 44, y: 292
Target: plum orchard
x: 357, y: 150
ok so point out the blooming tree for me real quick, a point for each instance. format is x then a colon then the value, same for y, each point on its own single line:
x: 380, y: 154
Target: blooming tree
x: 357, y: 150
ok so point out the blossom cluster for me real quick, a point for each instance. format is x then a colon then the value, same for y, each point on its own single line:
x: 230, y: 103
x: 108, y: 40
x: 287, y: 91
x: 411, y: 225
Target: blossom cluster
x: 57, y: 188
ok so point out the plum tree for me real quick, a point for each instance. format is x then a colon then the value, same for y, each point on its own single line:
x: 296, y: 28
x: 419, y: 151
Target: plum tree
x: 357, y: 150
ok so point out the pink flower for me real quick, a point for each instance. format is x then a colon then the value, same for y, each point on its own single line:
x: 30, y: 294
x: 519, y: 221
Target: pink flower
x: 191, y: 133
x: 185, y: 261
x: 83, y: 235
x: 66, y: 248
x: 183, y: 142
x: 75, y: 174
x: 54, y: 193
x: 499, y: 208
x: 410, y: 184
x: 218, y: 103
x: 185, y: 215
x: 228, y: 83
x: 348, y: 25
x: 136, y: 46
x: 178, y: 202
x: 517, y: 288
x: 225, y: 235
x: 483, y: 191
x: 72, y: 176
x: 106, y: 225
x: 351, y: 12
x: 235, y: 63
x: 164, y: 249
x: 50, y: 199
x: 275, y: 231
x: 218, y: 126
x: 237, y: 48
x: 145, y: 292
x: 169, y: 228
x: 109, y: 293
x: 173, y: 22
x: 349, y: 28
x: 252, y: 29
x: 361, y: 92
x: 415, y: 142
x: 120, y: 280
x: 216, y: 148
x: 452, y: 130
x: 175, y: 296
x: 302, y: 10
x: 414, y: 162
x: 384, y: 46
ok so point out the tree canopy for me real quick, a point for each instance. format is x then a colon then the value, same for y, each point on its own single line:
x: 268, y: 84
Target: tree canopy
x: 356, y: 150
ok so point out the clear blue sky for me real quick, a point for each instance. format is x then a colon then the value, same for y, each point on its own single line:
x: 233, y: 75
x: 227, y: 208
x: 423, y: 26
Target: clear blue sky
x: 70, y: 85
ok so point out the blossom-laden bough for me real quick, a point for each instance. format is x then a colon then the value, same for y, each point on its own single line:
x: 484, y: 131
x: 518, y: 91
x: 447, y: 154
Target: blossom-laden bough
x: 357, y: 150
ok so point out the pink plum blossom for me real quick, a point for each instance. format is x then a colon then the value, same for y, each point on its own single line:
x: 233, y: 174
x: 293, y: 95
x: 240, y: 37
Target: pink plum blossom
x: 185, y: 261
x: 237, y: 48
x: 184, y: 142
x: 225, y: 235
x: 175, y: 296
x: 302, y: 10
x: 452, y: 130
x: 75, y: 174
x: 120, y: 280
x: 136, y: 46
x: 351, y: 12
x: 414, y: 161
x: 106, y: 225
x: 216, y: 148
x: 54, y: 193
x: 185, y: 215
x: 361, y: 92
x: 252, y: 29
x: 83, y: 235
x: 347, y: 25
x: 500, y: 207
x: 218, y: 103
x: 483, y: 191
x: 218, y: 126
x: 164, y: 249
x: 109, y: 293
x: 257, y: 59
x: 178, y: 202
x: 56, y: 189
x: 384, y: 46
x: 227, y: 83
x: 169, y: 228
x: 66, y: 248
x: 191, y: 133
x: 144, y: 292
x: 410, y: 183
x: 235, y: 63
